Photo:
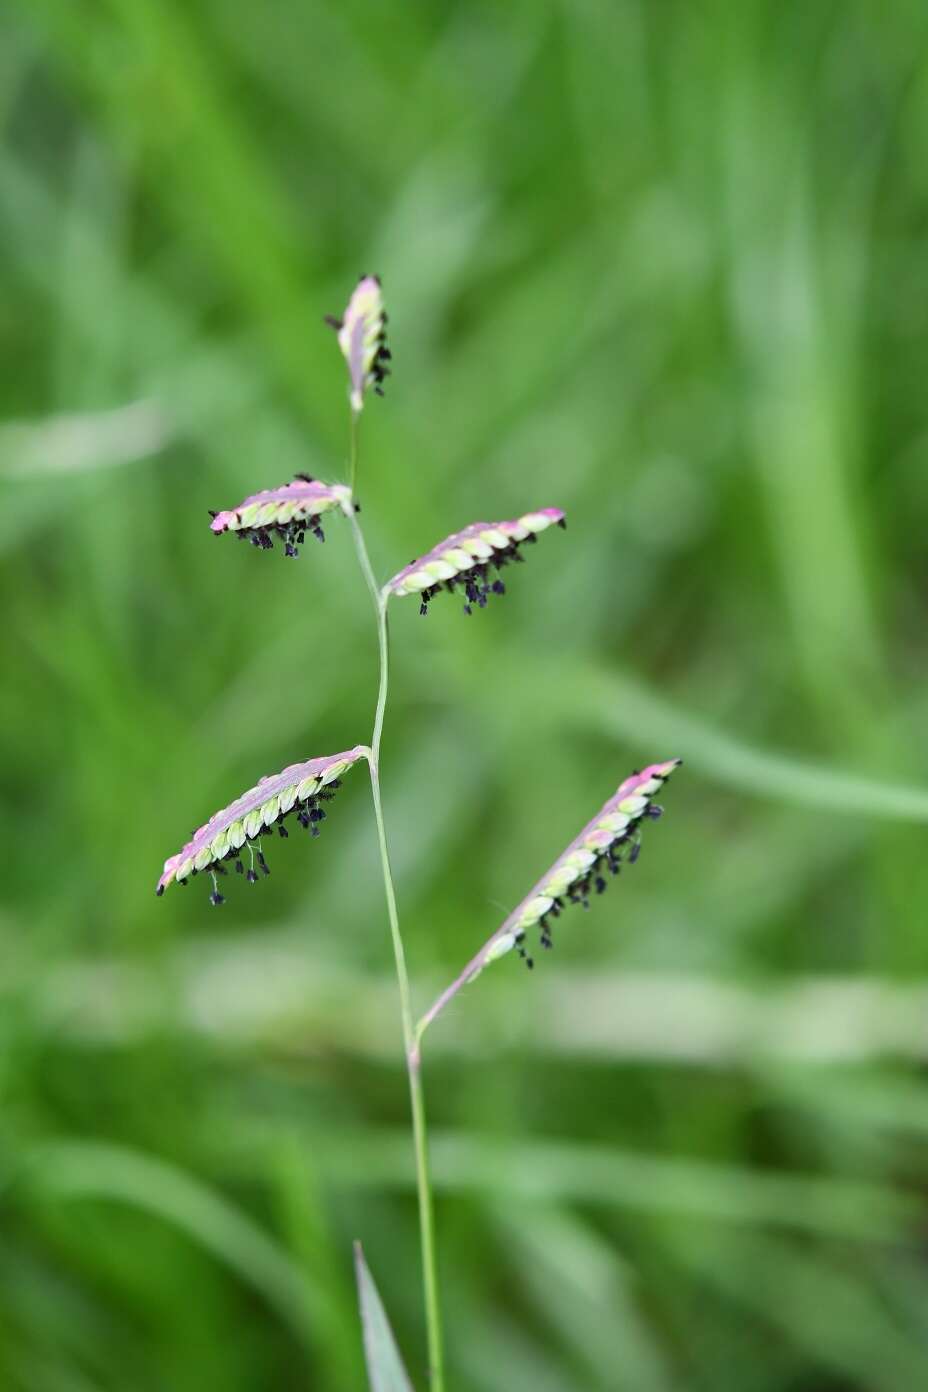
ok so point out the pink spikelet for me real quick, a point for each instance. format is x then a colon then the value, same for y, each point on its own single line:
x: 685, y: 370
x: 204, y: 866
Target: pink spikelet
x: 472, y: 560
x: 362, y: 337
x: 288, y: 513
x: 612, y: 838
x: 299, y: 789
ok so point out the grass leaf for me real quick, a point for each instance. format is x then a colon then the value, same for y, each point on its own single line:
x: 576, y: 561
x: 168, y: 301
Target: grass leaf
x: 384, y: 1365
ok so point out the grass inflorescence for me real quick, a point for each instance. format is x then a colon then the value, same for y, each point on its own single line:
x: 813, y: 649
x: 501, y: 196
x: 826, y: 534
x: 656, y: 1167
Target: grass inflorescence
x: 613, y: 836
x: 362, y: 337
x: 287, y: 513
x: 298, y: 791
x: 471, y: 560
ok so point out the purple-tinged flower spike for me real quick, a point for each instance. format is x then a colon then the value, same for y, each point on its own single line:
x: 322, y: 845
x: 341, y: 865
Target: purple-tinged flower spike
x: 612, y: 836
x: 363, y: 340
x: 467, y: 558
x: 299, y: 789
x: 288, y: 512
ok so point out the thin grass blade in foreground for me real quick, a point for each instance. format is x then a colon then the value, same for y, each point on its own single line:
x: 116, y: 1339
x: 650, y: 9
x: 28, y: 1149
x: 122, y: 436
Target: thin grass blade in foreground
x: 288, y: 512
x: 465, y: 558
x: 614, y: 834
x: 299, y: 788
x: 385, y: 1369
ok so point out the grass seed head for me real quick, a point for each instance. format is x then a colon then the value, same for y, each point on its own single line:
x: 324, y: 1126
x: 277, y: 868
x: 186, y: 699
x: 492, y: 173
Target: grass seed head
x: 591, y: 859
x: 362, y: 338
x: 298, y: 789
x: 288, y: 513
x: 471, y: 560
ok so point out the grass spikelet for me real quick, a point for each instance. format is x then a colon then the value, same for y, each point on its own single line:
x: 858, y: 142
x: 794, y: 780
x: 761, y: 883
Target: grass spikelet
x: 288, y: 512
x: 613, y: 836
x: 363, y: 340
x: 471, y: 560
x: 299, y: 789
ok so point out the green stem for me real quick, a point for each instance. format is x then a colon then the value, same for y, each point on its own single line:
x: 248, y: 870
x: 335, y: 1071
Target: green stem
x: 411, y: 1043
x: 353, y: 457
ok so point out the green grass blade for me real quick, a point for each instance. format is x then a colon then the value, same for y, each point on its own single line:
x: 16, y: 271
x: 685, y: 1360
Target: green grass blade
x: 621, y: 707
x: 384, y: 1366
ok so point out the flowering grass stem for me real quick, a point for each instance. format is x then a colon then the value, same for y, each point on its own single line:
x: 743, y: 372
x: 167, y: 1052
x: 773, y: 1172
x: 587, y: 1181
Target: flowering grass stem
x: 353, y: 455
x: 410, y: 1038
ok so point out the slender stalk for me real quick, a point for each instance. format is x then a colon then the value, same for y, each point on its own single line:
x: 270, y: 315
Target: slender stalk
x: 410, y: 1040
x: 468, y: 974
x: 353, y: 456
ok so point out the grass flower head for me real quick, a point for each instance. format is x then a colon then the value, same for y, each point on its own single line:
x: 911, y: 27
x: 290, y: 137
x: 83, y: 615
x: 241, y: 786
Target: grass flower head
x: 613, y: 836
x: 472, y: 559
x: 288, y: 512
x: 299, y: 789
x: 362, y: 337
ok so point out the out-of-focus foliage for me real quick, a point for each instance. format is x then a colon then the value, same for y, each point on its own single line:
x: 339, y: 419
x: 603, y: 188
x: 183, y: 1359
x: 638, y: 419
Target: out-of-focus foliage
x: 661, y: 265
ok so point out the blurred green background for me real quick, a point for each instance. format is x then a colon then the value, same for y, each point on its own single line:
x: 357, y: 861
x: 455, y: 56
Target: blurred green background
x: 663, y: 265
